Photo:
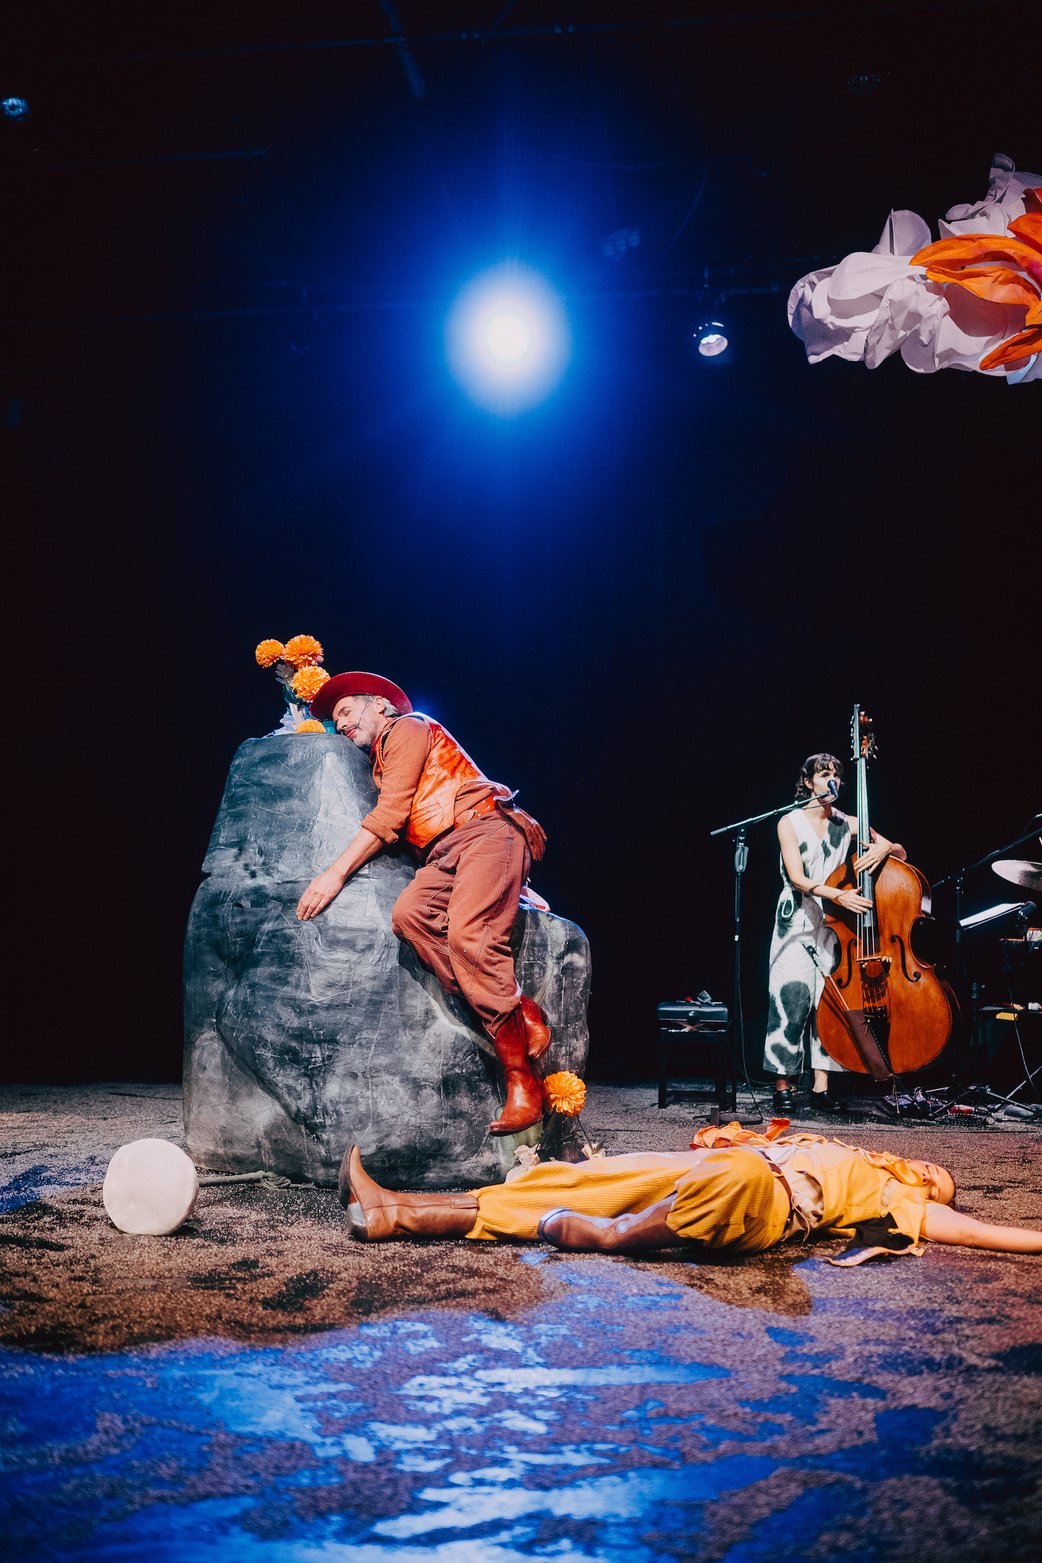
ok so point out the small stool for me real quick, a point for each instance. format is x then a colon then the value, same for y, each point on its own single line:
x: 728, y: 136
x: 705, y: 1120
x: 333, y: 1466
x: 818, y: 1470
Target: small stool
x: 698, y: 1018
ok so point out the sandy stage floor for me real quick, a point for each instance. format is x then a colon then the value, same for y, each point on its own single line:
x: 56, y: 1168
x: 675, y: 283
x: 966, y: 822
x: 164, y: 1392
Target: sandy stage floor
x: 260, y: 1387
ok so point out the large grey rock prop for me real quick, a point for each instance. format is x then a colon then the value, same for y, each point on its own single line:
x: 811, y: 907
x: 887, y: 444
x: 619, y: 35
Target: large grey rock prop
x: 301, y: 1037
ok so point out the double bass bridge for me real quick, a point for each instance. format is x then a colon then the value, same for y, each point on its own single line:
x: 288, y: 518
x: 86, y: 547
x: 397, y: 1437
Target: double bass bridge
x: 875, y: 984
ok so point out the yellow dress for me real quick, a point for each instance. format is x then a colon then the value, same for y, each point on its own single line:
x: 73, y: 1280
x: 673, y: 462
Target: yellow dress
x: 725, y: 1195
x: 723, y: 1198
x: 848, y: 1185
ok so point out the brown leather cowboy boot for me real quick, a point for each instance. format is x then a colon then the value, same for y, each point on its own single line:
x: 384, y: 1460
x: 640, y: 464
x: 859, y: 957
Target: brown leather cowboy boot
x: 538, y: 1035
x: 524, y: 1103
x: 610, y: 1234
x: 376, y: 1213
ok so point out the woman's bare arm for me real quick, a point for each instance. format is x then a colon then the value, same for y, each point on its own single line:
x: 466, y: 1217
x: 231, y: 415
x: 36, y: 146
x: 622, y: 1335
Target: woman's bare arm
x: 942, y: 1224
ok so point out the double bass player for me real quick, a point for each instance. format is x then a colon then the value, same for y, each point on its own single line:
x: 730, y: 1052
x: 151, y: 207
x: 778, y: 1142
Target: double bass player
x: 815, y: 839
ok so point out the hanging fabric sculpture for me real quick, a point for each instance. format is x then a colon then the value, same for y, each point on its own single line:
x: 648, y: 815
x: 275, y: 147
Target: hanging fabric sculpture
x: 972, y: 300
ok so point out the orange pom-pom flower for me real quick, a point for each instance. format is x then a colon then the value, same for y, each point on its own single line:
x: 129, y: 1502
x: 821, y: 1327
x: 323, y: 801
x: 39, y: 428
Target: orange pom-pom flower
x: 310, y: 726
x: 269, y: 652
x: 307, y: 683
x: 565, y: 1093
x: 303, y: 651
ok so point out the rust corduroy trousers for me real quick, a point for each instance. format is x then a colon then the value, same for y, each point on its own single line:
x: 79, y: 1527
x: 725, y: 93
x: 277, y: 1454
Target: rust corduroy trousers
x: 459, y: 912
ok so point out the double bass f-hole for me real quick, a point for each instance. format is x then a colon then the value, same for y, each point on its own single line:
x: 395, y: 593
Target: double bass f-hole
x: 909, y: 976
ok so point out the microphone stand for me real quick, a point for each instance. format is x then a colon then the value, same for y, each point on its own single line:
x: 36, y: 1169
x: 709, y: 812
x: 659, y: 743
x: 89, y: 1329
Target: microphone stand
x: 738, y: 830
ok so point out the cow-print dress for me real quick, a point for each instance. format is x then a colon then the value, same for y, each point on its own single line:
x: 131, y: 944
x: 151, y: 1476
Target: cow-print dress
x: 795, y: 983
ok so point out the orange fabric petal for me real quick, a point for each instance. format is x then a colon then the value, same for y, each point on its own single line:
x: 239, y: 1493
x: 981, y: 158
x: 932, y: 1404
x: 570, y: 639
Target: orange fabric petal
x: 973, y: 248
x: 996, y: 283
x: 1028, y: 228
x: 732, y: 1133
x: 1014, y: 348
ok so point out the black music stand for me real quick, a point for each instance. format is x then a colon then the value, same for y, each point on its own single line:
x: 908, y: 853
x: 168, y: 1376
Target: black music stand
x: 975, y: 1093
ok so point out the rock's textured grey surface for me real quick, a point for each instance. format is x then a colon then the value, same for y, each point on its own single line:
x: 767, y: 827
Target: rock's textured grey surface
x: 301, y: 1037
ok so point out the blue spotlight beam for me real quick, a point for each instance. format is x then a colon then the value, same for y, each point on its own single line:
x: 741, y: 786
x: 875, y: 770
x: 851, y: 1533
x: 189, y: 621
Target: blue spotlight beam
x: 507, y: 339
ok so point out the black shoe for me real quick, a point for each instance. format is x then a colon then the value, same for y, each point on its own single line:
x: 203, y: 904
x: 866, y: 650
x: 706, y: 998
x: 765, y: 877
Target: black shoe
x: 829, y: 1106
x: 783, y: 1102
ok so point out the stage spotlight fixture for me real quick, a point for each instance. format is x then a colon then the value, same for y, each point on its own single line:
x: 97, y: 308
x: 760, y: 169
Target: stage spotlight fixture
x: 507, y: 339
x: 711, y: 339
x: 15, y: 108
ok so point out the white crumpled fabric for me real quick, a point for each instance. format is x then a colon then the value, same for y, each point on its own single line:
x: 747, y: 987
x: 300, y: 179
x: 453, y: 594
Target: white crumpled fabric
x: 873, y: 303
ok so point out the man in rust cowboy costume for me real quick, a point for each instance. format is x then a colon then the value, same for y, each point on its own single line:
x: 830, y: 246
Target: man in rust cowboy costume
x: 475, y: 852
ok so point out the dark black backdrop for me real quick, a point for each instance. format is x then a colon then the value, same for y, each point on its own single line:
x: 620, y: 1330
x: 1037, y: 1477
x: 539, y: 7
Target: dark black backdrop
x: 642, y: 603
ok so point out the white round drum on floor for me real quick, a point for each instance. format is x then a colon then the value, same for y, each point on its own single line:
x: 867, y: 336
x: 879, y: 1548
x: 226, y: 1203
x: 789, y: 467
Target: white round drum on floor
x: 150, y: 1187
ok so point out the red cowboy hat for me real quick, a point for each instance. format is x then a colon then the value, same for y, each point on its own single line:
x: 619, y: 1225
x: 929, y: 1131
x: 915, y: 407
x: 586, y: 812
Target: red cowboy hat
x: 342, y: 684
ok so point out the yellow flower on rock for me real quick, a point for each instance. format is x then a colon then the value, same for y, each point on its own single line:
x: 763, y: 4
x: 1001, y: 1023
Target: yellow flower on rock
x: 310, y: 726
x: 303, y: 651
x: 307, y: 683
x: 565, y: 1093
x: 269, y: 652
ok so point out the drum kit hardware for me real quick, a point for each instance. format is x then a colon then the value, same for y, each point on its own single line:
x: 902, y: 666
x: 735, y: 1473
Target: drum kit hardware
x: 987, y: 970
x: 1019, y: 872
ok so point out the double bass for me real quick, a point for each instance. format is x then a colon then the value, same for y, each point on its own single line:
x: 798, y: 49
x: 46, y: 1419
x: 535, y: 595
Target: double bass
x: 883, y: 1010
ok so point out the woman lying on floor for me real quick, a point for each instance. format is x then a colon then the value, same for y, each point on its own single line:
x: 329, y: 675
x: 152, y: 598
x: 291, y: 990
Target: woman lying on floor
x: 745, y: 1197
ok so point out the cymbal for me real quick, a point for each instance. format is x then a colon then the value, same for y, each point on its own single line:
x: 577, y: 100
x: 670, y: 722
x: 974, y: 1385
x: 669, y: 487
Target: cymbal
x: 1019, y: 872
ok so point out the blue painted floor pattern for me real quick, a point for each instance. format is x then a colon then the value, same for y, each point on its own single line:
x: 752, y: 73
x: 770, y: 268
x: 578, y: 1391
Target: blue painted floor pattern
x: 634, y: 1413
x: 452, y: 1437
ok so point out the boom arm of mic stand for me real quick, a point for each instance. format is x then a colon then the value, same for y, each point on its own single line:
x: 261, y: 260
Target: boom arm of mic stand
x: 758, y: 819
